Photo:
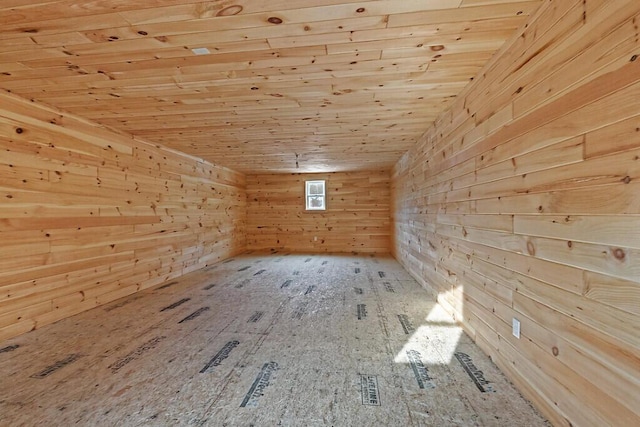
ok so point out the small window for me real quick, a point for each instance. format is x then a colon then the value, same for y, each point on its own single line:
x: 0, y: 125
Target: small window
x: 315, y: 195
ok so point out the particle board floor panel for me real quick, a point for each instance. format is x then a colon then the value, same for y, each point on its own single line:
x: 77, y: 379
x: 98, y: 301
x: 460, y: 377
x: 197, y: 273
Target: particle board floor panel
x: 261, y: 340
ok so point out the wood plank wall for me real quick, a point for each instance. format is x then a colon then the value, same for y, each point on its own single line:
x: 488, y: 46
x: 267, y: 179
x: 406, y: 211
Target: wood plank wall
x: 88, y: 215
x: 357, y: 218
x: 523, y: 201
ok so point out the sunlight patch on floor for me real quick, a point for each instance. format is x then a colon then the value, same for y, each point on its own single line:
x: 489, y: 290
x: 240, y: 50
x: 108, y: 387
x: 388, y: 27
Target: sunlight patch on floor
x: 436, y: 340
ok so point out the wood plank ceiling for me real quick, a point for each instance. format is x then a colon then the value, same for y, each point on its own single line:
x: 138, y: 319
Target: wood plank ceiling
x: 288, y: 86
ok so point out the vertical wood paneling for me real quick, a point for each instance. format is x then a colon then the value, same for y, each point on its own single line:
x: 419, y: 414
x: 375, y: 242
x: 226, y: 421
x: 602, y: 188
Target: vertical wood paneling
x: 88, y: 215
x: 357, y: 217
x: 522, y: 202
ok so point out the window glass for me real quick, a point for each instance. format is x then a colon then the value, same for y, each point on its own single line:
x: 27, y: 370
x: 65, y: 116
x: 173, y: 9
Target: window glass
x: 315, y: 196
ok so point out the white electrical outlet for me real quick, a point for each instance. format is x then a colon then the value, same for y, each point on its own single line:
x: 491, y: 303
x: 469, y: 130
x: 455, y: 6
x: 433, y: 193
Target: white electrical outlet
x: 516, y: 328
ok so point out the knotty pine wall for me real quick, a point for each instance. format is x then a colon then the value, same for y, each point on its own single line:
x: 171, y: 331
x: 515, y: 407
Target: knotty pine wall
x: 357, y: 218
x: 88, y: 215
x: 523, y: 201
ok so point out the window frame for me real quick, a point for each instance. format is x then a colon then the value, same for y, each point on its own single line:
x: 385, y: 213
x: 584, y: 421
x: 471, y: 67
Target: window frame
x: 308, y: 196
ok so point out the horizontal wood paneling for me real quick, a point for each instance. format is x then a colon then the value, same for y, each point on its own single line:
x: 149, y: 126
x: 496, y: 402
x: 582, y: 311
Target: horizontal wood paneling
x: 522, y: 202
x: 88, y: 215
x: 357, y: 217
x: 318, y: 78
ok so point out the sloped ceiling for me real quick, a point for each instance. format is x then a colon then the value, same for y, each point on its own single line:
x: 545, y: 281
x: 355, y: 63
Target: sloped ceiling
x: 287, y: 85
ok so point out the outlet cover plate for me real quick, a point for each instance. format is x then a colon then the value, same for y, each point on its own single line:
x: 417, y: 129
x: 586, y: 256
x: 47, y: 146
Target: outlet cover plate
x: 516, y: 328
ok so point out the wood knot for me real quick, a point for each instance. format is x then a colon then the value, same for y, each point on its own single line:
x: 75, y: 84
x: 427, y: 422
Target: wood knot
x: 555, y: 351
x: 570, y: 244
x: 19, y: 130
x: 531, y: 249
x: 360, y: 9
x: 633, y: 58
x: 275, y: 20
x: 230, y: 10
x: 143, y: 33
x: 437, y: 48
x: 626, y: 179
x: 619, y: 254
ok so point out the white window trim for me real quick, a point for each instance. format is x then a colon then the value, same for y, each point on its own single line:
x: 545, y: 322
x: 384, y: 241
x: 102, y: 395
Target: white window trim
x: 308, y: 196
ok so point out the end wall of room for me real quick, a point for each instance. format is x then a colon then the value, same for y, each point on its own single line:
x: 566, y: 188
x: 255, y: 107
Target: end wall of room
x: 89, y: 215
x: 523, y: 201
x: 357, y: 218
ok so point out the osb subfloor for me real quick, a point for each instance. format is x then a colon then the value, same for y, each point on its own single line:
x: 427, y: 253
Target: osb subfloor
x: 261, y: 340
